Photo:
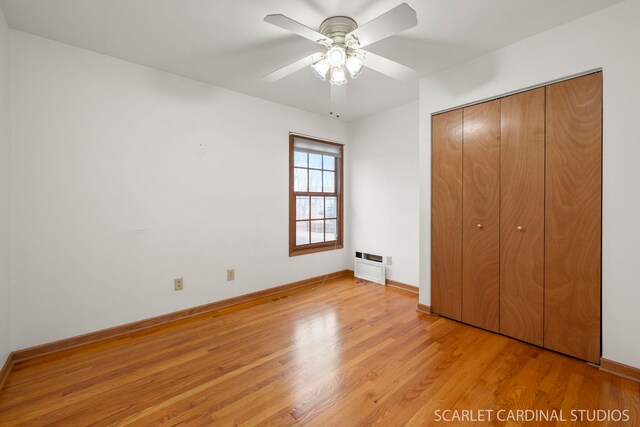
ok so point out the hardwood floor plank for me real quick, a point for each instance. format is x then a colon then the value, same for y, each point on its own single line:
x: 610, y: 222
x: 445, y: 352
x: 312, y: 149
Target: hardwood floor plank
x: 343, y: 353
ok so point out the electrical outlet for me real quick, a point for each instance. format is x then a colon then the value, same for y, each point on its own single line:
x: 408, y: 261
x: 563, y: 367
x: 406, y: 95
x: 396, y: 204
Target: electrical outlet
x: 389, y: 260
x: 231, y: 275
x: 177, y: 284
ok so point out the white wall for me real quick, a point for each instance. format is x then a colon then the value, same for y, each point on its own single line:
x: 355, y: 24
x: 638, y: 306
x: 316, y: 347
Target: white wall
x: 607, y: 39
x: 125, y: 178
x: 383, y: 188
x: 5, y: 157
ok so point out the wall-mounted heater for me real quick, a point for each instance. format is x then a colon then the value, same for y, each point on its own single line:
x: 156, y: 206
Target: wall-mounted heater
x: 369, y: 267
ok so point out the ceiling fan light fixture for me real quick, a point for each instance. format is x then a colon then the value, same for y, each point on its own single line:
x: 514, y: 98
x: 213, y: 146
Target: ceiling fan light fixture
x: 354, y: 64
x: 338, y: 77
x: 336, y: 55
x: 342, y: 40
x: 321, y: 68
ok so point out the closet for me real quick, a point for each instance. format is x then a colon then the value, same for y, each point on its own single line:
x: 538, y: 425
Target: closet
x: 516, y: 215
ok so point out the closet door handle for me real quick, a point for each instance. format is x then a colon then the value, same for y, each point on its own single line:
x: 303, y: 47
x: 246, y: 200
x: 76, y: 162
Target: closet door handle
x: 478, y: 226
x: 520, y: 228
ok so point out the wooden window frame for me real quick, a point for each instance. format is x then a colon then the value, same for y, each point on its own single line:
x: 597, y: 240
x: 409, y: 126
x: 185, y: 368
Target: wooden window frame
x: 309, y: 248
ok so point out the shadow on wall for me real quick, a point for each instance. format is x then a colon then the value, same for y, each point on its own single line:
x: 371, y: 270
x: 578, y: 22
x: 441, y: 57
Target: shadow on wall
x: 423, y: 55
x: 457, y: 85
x: 180, y: 88
x: 222, y: 61
x: 274, y: 51
x: 212, y: 64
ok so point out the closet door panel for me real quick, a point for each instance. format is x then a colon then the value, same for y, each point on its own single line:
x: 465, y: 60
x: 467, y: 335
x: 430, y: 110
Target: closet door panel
x: 446, y: 215
x: 481, y: 215
x: 522, y: 216
x: 573, y: 217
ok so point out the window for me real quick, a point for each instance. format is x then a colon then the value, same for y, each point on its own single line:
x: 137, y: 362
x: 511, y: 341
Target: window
x: 315, y: 195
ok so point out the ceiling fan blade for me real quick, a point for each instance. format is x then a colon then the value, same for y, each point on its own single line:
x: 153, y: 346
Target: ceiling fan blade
x: 292, y: 68
x: 297, y: 28
x: 396, y: 20
x: 388, y: 67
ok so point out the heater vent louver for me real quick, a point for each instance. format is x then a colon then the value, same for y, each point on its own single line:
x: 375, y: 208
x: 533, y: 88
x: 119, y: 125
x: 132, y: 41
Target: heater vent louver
x: 369, y: 267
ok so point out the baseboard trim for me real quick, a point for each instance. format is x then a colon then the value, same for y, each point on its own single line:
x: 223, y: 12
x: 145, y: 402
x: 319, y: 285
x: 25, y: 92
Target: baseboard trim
x: 401, y: 285
x: 620, y: 369
x: 6, y: 369
x: 422, y: 308
x: 130, y: 328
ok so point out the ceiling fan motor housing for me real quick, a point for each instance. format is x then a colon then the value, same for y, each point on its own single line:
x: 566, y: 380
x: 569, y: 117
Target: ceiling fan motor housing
x: 337, y: 27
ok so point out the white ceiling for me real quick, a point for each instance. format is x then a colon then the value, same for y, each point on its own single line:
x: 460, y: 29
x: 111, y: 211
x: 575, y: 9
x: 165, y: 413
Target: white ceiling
x: 226, y: 42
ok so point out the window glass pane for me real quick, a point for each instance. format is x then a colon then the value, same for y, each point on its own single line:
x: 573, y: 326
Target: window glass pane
x: 302, y: 208
x: 315, y: 181
x: 328, y: 163
x: 300, y: 159
x: 315, y: 161
x: 331, y: 230
x: 330, y: 207
x: 302, y: 232
x: 317, y: 207
x: 317, y: 231
x: 300, y: 179
x: 329, y: 182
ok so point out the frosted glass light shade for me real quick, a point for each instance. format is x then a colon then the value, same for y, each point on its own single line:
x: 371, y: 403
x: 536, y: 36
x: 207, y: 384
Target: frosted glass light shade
x: 321, y: 68
x: 338, y: 76
x: 354, y: 66
x: 336, y: 56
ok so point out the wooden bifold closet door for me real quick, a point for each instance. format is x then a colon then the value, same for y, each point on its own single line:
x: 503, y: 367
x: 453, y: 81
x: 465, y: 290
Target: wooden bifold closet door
x: 481, y: 215
x: 522, y: 216
x: 446, y: 215
x: 573, y: 217
x: 516, y: 215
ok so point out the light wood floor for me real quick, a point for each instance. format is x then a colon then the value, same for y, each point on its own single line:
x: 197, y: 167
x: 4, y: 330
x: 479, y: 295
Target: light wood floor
x: 340, y: 354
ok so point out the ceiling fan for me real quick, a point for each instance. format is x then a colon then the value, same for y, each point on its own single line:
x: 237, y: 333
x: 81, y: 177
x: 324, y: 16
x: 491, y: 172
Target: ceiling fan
x: 343, y: 55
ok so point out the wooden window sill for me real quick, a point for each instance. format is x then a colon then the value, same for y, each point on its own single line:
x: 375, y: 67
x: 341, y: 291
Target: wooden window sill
x: 304, y: 251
